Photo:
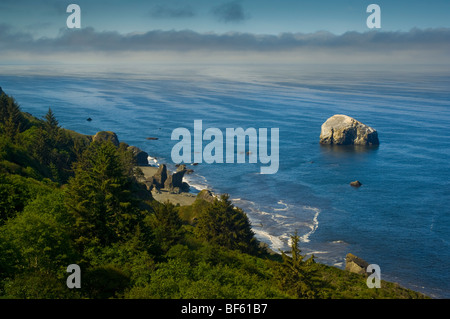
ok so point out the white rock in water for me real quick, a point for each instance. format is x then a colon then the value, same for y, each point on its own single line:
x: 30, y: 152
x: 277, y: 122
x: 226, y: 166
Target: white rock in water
x: 345, y: 130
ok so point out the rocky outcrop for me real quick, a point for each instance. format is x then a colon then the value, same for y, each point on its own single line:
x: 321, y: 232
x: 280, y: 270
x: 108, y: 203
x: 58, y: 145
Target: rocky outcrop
x: 106, y: 136
x: 140, y: 156
x: 345, y: 130
x: 181, y: 167
x: 160, y: 177
x: 175, y: 182
x: 355, y: 264
x: 163, y: 180
x: 206, y: 195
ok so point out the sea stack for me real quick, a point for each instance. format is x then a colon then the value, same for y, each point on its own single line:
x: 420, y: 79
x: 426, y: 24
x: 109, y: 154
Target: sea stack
x: 345, y: 130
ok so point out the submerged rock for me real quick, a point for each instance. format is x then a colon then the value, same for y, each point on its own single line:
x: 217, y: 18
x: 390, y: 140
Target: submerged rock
x: 345, y: 130
x: 356, y: 184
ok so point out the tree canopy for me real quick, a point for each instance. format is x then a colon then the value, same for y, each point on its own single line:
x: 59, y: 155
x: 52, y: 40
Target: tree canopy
x: 99, y: 197
x: 226, y: 225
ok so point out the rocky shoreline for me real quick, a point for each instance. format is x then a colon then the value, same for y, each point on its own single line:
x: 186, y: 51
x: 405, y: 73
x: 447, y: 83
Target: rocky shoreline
x: 153, y: 174
x: 159, y: 181
x: 166, y: 186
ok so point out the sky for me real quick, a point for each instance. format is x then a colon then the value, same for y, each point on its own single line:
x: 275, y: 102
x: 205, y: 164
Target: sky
x: 297, y: 30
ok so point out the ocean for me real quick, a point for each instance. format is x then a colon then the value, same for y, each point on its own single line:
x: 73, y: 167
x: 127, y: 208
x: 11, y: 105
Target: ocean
x: 398, y: 219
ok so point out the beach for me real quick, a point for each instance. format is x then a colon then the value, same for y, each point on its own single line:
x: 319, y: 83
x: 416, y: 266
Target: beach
x: 182, y: 199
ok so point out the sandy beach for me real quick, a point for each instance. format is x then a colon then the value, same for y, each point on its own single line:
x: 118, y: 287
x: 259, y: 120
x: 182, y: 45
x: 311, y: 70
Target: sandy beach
x: 183, y: 199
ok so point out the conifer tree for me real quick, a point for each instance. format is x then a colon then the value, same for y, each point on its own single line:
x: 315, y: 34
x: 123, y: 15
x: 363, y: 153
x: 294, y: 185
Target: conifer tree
x: 296, y: 275
x: 166, y: 225
x: 226, y: 225
x: 11, y: 117
x: 51, y: 124
x: 99, y: 197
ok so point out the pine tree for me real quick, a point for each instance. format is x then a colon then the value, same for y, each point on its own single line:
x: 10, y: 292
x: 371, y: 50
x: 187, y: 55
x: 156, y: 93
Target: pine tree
x: 166, y: 225
x: 4, y: 101
x: 51, y: 124
x: 226, y: 225
x: 40, y: 148
x: 11, y: 117
x: 100, y: 199
x: 296, y: 275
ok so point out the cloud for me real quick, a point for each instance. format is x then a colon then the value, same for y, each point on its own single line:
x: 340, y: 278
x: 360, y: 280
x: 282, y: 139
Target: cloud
x: 164, y: 11
x: 49, y: 6
x: 230, y: 12
x: 415, y: 46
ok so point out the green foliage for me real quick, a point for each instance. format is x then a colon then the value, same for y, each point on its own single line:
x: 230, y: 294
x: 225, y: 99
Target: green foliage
x: 227, y: 226
x: 99, y: 197
x: 40, y: 235
x: 208, y: 272
x: 133, y: 257
x: 341, y: 284
x: 104, y: 282
x: 9, y: 258
x: 189, y: 214
x: 16, y: 192
x: 35, y: 148
x: 128, y: 161
x: 296, y: 275
x: 12, y: 122
x: 166, y: 225
x: 16, y: 159
x: 37, y: 285
x: 51, y: 124
x: 53, y: 149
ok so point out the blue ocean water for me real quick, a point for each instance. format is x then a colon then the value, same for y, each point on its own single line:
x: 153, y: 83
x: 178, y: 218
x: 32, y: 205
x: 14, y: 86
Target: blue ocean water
x: 400, y: 217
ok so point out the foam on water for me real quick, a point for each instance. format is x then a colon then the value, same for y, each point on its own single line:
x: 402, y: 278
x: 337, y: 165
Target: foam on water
x: 197, y: 182
x: 274, y: 228
x: 313, y: 226
x: 152, y: 161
